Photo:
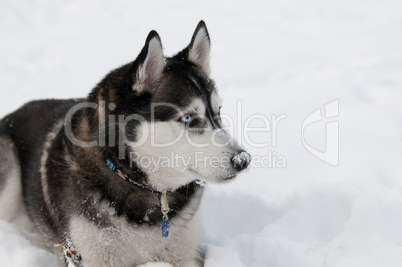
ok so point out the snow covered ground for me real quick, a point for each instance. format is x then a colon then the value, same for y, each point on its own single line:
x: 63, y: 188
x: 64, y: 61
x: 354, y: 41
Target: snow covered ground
x: 270, y: 59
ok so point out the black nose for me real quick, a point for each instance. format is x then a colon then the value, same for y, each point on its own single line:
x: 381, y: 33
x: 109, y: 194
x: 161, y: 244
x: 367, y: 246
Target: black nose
x: 241, y: 160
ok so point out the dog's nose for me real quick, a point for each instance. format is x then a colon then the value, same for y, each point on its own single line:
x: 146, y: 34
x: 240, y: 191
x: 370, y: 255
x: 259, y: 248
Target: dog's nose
x: 241, y: 160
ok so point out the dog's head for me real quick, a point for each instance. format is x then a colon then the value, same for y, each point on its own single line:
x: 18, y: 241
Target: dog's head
x: 175, y: 134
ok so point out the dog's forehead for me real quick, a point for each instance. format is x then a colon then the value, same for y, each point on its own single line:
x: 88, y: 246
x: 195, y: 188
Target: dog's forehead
x: 197, y: 105
x: 183, y: 71
x: 181, y: 83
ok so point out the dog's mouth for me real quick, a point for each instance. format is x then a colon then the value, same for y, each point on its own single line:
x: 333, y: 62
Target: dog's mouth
x: 230, y: 177
x: 218, y: 179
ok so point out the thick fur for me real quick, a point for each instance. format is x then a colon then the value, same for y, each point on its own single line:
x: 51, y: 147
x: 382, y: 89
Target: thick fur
x: 53, y: 157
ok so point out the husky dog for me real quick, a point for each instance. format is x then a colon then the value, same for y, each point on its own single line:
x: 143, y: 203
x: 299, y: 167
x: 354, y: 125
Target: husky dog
x: 116, y: 178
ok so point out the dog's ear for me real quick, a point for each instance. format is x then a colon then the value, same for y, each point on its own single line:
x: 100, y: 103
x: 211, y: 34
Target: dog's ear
x: 200, y: 47
x: 151, y: 64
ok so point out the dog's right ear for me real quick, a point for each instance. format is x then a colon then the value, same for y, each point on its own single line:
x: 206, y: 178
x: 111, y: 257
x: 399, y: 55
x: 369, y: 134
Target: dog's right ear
x: 150, y: 65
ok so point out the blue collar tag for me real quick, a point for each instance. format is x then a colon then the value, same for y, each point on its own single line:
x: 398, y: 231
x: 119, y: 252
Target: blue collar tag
x: 165, y: 228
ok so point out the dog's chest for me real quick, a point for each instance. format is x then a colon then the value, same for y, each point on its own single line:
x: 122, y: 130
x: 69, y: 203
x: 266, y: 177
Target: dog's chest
x: 123, y: 244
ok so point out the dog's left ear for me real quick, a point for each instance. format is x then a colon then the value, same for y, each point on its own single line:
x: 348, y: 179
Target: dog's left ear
x: 150, y: 65
x: 200, y: 47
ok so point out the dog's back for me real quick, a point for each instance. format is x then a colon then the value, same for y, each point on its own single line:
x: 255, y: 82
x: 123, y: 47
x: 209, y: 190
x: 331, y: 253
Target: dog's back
x: 22, y: 136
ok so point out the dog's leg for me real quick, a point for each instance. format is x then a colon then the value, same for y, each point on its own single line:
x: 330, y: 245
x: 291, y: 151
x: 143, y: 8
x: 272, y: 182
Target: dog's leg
x: 11, y: 204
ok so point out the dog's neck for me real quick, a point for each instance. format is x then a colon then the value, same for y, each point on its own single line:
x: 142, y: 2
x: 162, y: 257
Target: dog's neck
x: 126, y: 178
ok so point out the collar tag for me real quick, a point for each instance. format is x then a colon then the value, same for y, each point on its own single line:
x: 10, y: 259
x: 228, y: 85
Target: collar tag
x: 165, y: 210
x: 165, y: 228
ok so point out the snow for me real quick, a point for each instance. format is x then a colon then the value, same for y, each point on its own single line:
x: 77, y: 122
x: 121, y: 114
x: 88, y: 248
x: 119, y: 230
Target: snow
x: 281, y: 60
x: 17, y: 250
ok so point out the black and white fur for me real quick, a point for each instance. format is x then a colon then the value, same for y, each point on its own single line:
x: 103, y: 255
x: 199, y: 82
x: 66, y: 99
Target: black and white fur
x: 72, y: 197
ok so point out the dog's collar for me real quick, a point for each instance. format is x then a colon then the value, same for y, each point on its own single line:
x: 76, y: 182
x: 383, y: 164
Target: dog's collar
x: 143, y: 185
x: 163, y: 198
x: 164, y: 203
x: 125, y: 177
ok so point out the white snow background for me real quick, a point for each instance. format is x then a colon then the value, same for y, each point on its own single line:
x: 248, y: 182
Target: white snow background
x: 276, y: 57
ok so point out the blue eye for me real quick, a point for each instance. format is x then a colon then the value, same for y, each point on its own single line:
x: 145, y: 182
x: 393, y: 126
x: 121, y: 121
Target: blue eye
x: 187, y: 118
